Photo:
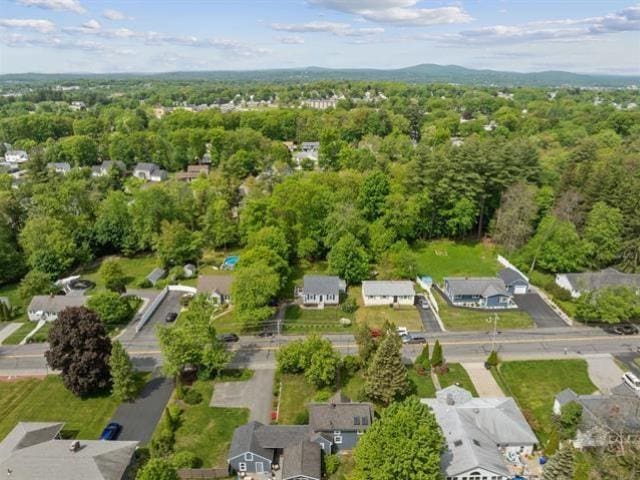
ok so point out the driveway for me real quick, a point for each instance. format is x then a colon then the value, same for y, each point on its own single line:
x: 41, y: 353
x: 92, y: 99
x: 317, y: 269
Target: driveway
x: 542, y: 314
x: 428, y: 318
x: 485, y: 384
x: 8, y: 330
x: 604, y: 372
x: 628, y: 360
x: 139, y: 418
x: 255, y: 394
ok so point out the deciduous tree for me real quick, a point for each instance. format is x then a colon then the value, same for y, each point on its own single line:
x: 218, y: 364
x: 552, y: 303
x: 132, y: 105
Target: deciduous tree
x: 123, y: 380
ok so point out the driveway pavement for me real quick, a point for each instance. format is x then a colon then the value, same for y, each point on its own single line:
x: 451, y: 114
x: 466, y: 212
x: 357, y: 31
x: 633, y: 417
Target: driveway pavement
x: 542, y: 314
x: 428, y: 318
x: 8, y: 330
x: 139, y: 418
x: 628, y: 360
x: 604, y: 372
x: 255, y: 394
x: 482, y: 379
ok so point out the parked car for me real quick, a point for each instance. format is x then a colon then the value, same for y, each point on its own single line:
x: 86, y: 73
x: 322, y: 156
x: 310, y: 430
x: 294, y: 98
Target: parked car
x: 412, y: 339
x: 424, y: 304
x: 630, y: 379
x: 403, y: 331
x: 229, y: 337
x: 171, y: 317
x: 624, y: 329
x: 111, y: 431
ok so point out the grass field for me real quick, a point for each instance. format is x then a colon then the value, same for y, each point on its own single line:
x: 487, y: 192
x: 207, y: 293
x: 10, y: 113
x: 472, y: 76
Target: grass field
x: 445, y: 258
x: 296, y: 393
x: 308, y: 320
x: 424, y: 387
x: 16, y: 337
x: 206, y: 431
x: 534, y: 384
x: 135, y: 269
x: 47, y: 400
x: 457, y: 375
x: 461, y: 319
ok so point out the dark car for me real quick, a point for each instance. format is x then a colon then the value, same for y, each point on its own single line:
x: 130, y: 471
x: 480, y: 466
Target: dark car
x: 624, y: 329
x: 171, y: 317
x: 411, y: 339
x: 229, y: 337
x: 111, y: 431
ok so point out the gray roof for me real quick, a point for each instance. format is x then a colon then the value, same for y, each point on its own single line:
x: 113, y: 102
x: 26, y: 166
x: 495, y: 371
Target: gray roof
x: 55, y: 303
x: 609, y: 277
x: 372, y: 288
x: 475, y: 427
x: 483, y: 286
x: 39, y: 456
x: 509, y: 276
x: 244, y: 440
x: 322, y: 285
x: 340, y: 416
x: 302, y: 460
x: 281, y: 436
x: 64, y: 166
x: 220, y: 284
x: 156, y: 274
x: 146, y: 167
x: 27, y: 434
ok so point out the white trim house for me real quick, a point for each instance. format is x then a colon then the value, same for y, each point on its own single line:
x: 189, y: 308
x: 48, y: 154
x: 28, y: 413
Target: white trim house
x: 388, y: 292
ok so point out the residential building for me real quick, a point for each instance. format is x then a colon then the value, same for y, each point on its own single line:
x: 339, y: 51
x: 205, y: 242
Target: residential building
x: 322, y: 290
x: 149, y: 172
x: 479, y: 292
x: 514, y: 281
x: 579, y: 283
x: 388, y: 292
x: 34, y: 451
x: 16, y: 156
x: 604, y: 416
x: 295, y: 451
x: 47, y: 307
x: 156, y: 275
x: 105, y: 167
x: 482, y: 434
x: 59, y: 167
x: 218, y: 287
x: 193, y: 172
x: 77, y: 106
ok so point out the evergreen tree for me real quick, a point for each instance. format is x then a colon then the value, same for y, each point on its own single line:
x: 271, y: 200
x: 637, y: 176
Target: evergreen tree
x: 437, y: 358
x: 122, y: 374
x: 560, y: 466
x: 387, y: 377
x: 422, y: 360
x: 366, y: 343
x: 493, y: 359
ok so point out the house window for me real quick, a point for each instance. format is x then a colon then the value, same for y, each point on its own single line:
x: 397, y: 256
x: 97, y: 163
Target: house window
x: 242, y: 467
x: 248, y: 457
x: 337, y: 432
x: 337, y: 440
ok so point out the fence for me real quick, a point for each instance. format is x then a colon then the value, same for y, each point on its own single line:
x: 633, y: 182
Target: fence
x: 206, y: 473
x: 506, y: 263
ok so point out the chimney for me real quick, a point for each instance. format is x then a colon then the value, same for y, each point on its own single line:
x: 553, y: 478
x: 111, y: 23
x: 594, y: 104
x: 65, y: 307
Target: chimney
x: 450, y: 400
x: 75, y: 446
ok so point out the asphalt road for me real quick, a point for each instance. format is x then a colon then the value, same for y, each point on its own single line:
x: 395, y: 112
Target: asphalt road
x: 542, y: 314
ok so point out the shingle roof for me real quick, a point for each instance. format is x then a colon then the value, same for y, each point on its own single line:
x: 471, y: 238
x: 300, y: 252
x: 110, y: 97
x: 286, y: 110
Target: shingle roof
x: 322, y: 285
x: 244, y: 440
x: 146, y: 167
x: 27, y: 434
x: 281, y: 436
x: 55, y: 303
x: 509, y: 276
x: 372, y: 288
x: 483, y: 286
x: 609, y: 277
x: 215, y: 283
x: 340, y: 416
x: 302, y: 460
x: 156, y: 274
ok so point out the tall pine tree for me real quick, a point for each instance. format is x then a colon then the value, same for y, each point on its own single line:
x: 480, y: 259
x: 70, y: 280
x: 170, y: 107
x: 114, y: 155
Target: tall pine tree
x: 386, y: 377
x: 560, y: 466
x: 122, y: 373
x: 437, y: 358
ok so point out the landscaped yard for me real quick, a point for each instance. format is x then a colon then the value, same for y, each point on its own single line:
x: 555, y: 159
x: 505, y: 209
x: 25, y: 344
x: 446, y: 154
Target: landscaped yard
x: 457, y: 375
x: 206, y: 431
x: 445, y: 258
x: 460, y: 319
x: 135, y: 269
x: 375, y: 317
x: 326, y: 320
x: 296, y: 393
x: 423, y: 383
x: 534, y: 384
x: 47, y: 400
x: 16, y: 337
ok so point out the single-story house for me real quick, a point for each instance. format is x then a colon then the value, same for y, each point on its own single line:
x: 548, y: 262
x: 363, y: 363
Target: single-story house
x: 296, y: 450
x: 150, y: 172
x: 479, y: 433
x: 16, y: 156
x: 59, y: 167
x: 218, y: 287
x: 514, y: 281
x: 322, y: 290
x: 193, y: 172
x: 310, y: 146
x: 105, y: 167
x: 388, y: 292
x: 156, y: 275
x: 47, y: 307
x: 579, y: 283
x: 479, y: 292
x: 34, y: 451
x: 618, y: 411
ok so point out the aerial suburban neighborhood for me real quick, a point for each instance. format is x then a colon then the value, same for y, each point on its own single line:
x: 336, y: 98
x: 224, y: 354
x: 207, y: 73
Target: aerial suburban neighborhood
x: 219, y: 261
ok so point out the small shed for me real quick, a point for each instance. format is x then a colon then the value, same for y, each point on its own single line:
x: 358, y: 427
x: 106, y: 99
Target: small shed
x: 156, y: 275
x: 189, y: 270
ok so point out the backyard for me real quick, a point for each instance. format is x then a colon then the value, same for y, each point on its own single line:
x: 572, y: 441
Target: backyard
x: 295, y: 394
x: 534, y: 385
x: 135, y: 269
x: 47, y: 400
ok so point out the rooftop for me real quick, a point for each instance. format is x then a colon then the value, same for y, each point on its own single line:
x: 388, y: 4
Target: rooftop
x: 483, y: 286
x: 608, y: 277
x: 322, y: 284
x: 215, y: 283
x: 55, y: 303
x: 372, y: 288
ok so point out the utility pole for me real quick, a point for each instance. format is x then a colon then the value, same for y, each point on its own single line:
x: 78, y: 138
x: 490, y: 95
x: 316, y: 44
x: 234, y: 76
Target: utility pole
x: 495, y: 330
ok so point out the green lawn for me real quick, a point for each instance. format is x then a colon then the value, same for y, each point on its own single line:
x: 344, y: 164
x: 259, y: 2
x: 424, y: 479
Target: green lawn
x: 347, y: 464
x: 41, y: 335
x: 445, y: 258
x: 134, y: 268
x: 375, y: 317
x: 46, y: 400
x: 296, y: 393
x: 457, y: 375
x: 424, y: 387
x: 206, y: 431
x: 534, y: 384
x: 16, y: 337
x: 353, y: 386
x: 461, y: 319
x: 309, y: 320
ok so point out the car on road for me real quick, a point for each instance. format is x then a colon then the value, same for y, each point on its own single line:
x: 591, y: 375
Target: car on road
x: 265, y: 334
x: 229, y: 337
x: 413, y: 339
x: 171, y: 317
x: 111, y: 431
x: 623, y: 329
x: 424, y: 304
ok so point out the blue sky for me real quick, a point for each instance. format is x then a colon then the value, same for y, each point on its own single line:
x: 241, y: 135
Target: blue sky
x: 600, y: 36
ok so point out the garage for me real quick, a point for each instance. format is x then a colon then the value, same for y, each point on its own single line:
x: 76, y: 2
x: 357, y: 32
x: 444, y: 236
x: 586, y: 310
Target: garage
x: 519, y: 289
x: 514, y: 281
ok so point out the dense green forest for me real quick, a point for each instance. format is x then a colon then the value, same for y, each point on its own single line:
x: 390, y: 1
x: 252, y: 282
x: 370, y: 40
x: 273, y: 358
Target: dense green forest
x: 553, y: 178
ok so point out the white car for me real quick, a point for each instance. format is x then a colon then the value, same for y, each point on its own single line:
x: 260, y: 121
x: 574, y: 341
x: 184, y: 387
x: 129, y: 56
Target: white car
x: 632, y: 381
x: 402, y: 331
x: 424, y: 304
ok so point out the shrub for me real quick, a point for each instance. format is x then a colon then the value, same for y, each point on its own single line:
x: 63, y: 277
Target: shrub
x: 192, y: 397
x: 553, y: 443
x: 185, y: 459
x: 349, y: 305
x: 302, y: 418
x: 144, y: 283
x: 331, y: 463
x: 351, y: 364
x: 493, y: 359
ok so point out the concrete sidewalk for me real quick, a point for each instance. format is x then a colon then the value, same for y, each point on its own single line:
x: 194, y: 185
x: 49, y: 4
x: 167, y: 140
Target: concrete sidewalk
x: 8, y: 330
x: 482, y: 379
x: 604, y: 372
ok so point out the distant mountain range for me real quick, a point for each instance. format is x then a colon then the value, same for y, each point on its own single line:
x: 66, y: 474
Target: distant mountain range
x: 425, y: 73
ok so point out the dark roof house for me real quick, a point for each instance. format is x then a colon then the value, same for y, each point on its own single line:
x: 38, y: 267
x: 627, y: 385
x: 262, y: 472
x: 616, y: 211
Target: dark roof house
x: 514, y: 281
x: 579, y: 283
x: 321, y: 289
x: 483, y: 292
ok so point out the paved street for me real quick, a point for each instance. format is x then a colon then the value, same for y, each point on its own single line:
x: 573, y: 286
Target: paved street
x: 542, y: 314
x: 255, y: 394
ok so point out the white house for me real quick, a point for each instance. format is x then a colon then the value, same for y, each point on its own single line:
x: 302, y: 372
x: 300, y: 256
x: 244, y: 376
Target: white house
x: 47, y: 307
x: 579, y: 283
x: 104, y: 168
x: 322, y: 290
x: 388, y: 292
x: 59, y: 167
x: 16, y: 156
x: 484, y: 436
x: 150, y: 172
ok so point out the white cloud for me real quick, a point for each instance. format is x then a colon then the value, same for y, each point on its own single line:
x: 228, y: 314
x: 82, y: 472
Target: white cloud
x: 335, y: 28
x: 111, y: 14
x: 42, y: 26
x: 402, y: 12
x: 67, y: 5
x: 290, y: 39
